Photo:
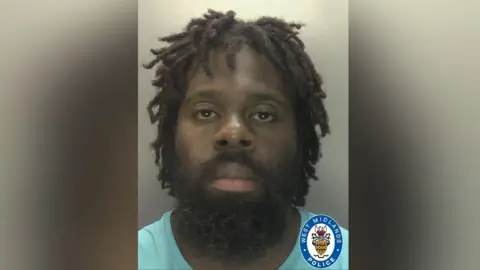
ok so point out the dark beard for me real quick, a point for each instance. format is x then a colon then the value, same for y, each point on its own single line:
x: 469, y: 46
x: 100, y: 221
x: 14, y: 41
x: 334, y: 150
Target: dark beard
x: 232, y: 228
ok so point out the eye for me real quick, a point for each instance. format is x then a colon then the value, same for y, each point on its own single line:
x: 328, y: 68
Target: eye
x: 263, y: 117
x: 206, y: 114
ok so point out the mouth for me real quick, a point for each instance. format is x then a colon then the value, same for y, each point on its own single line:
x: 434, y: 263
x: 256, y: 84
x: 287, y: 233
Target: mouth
x: 234, y: 177
x: 234, y: 184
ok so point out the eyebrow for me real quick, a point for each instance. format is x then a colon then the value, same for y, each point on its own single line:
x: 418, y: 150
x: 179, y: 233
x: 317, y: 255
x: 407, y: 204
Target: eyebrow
x: 207, y: 94
x: 214, y: 93
x: 269, y: 97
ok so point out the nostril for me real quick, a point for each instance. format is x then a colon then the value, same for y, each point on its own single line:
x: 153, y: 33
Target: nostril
x: 245, y: 143
x: 222, y: 142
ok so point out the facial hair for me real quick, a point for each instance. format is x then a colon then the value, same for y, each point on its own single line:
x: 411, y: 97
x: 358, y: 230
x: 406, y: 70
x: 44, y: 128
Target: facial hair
x: 232, y: 227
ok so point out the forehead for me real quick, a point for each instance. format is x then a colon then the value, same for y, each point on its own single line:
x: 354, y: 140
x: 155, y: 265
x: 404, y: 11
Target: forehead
x: 253, y: 73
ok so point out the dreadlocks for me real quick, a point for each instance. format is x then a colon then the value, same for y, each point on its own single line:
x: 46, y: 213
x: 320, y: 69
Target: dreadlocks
x: 272, y: 37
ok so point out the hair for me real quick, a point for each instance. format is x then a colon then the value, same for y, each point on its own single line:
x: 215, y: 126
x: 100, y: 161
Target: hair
x: 275, y: 39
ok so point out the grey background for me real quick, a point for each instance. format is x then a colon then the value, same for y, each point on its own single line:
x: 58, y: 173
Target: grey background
x: 326, y: 39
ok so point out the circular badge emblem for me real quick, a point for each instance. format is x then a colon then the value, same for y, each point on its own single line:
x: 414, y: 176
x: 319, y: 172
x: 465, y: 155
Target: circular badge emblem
x: 321, y: 241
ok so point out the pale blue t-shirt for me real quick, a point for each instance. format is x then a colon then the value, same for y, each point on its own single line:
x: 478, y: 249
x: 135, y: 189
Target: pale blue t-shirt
x: 157, y: 249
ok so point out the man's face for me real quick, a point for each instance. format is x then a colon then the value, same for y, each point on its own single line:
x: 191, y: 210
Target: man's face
x: 236, y: 133
x: 236, y: 166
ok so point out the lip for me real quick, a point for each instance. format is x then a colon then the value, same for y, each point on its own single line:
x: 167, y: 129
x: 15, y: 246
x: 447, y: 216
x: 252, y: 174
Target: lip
x: 234, y: 184
x: 234, y: 171
x: 234, y: 177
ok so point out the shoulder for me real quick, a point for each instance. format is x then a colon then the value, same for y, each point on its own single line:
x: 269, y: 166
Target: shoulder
x: 152, y: 243
x: 147, y: 236
x: 155, y: 231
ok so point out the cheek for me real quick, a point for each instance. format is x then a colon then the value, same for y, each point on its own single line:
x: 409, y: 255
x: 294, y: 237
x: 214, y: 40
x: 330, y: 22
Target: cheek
x: 192, y: 144
x: 277, y: 147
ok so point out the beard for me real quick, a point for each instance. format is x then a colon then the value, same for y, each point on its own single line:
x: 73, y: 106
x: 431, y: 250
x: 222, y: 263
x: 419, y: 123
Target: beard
x: 232, y: 227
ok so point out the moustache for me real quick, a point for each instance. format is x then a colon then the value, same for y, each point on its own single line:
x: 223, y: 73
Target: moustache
x: 235, y: 165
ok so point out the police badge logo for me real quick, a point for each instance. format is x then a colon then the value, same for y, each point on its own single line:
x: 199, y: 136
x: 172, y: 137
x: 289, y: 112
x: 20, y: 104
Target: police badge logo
x: 321, y: 241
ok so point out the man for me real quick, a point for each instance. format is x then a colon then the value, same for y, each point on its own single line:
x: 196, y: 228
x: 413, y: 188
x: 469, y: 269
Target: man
x: 237, y: 144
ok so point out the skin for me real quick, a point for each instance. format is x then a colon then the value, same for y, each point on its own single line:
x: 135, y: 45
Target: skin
x: 246, y: 109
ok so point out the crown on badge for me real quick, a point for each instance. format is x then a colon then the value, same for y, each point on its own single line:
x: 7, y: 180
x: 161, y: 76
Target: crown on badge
x: 321, y: 231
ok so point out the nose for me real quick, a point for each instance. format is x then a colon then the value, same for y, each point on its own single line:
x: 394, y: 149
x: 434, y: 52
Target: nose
x: 234, y: 134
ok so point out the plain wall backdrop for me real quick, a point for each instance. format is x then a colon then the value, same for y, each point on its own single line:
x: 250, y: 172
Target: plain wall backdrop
x: 326, y: 40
